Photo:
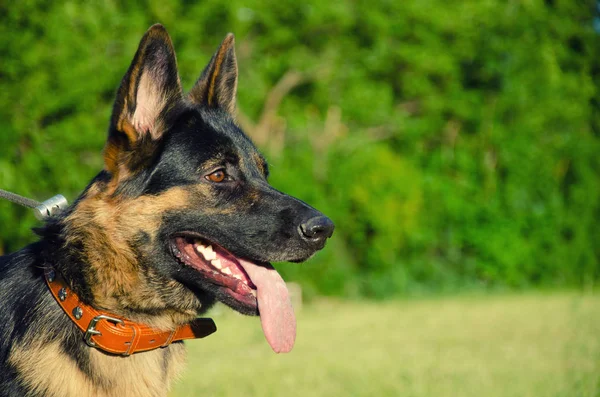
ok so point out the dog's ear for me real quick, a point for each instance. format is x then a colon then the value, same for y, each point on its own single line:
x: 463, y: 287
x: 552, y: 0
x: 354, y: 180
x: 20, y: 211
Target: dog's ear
x: 217, y: 86
x: 150, y: 88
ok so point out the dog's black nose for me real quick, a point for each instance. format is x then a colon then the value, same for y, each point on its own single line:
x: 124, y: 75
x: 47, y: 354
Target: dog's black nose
x: 316, y: 230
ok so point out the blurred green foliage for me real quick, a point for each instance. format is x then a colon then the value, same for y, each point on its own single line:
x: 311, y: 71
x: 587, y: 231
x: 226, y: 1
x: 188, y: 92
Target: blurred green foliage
x: 455, y: 144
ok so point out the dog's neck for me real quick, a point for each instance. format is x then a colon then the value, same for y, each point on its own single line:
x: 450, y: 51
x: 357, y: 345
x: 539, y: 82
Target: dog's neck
x: 108, y: 272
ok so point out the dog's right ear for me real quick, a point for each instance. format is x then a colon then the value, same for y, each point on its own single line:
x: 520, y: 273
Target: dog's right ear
x: 149, y: 89
x: 217, y: 85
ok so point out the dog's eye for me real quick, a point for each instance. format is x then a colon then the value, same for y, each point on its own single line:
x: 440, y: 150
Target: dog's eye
x: 217, y: 176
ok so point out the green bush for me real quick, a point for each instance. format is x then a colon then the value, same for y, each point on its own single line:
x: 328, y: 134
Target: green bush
x: 455, y: 144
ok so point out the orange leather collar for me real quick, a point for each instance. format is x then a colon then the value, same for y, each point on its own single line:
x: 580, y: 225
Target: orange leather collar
x: 116, y: 335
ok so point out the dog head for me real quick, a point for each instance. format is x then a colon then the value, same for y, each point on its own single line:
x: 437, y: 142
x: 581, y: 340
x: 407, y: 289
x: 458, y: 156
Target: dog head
x: 182, y: 214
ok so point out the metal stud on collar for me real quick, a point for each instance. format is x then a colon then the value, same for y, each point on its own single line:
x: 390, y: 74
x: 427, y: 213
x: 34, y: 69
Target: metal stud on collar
x: 51, y: 275
x: 62, y: 294
x: 77, y: 312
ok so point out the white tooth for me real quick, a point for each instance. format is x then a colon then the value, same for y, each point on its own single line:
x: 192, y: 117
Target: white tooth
x: 237, y: 276
x: 209, y: 254
x: 200, y: 248
x: 226, y: 271
x: 216, y: 263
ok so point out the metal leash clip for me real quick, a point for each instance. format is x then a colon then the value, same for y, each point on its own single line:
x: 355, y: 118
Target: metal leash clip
x: 50, y: 207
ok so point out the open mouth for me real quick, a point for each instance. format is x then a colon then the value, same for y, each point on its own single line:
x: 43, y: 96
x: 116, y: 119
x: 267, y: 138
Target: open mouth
x: 257, y: 286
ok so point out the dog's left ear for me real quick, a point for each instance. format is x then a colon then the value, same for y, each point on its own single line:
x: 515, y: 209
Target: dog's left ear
x: 150, y: 88
x: 217, y: 86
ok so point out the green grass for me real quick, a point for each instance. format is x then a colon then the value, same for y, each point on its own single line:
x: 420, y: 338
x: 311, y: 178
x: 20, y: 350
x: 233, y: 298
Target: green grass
x: 517, y: 345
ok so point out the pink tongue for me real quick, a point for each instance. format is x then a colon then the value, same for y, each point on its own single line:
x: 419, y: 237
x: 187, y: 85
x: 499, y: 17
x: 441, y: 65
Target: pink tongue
x: 276, y: 312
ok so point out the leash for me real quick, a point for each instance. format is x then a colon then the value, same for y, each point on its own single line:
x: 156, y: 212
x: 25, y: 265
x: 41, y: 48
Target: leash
x: 42, y: 210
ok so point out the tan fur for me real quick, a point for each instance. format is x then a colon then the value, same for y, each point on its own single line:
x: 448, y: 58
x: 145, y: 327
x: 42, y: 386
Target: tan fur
x: 134, y: 76
x: 104, y: 226
x: 140, y: 374
x: 260, y: 162
x: 216, y: 70
x: 128, y: 129
x: 111, y: 157
x: 114, y: 162
x: 48, y: 371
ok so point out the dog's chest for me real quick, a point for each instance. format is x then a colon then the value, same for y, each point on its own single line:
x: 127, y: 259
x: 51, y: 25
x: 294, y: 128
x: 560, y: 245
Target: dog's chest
x: 47, y: 370
x: 142, y: 374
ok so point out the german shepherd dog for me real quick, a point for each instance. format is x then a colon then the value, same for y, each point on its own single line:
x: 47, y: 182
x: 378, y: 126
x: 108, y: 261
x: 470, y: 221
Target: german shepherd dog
x: 180, y: 217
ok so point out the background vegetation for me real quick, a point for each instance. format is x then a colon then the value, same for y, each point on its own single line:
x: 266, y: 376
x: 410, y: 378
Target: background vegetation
x: 455, y: 144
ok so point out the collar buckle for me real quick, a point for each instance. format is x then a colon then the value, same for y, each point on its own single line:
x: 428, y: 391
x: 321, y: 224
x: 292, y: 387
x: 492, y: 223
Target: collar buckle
x: 92, y: 331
